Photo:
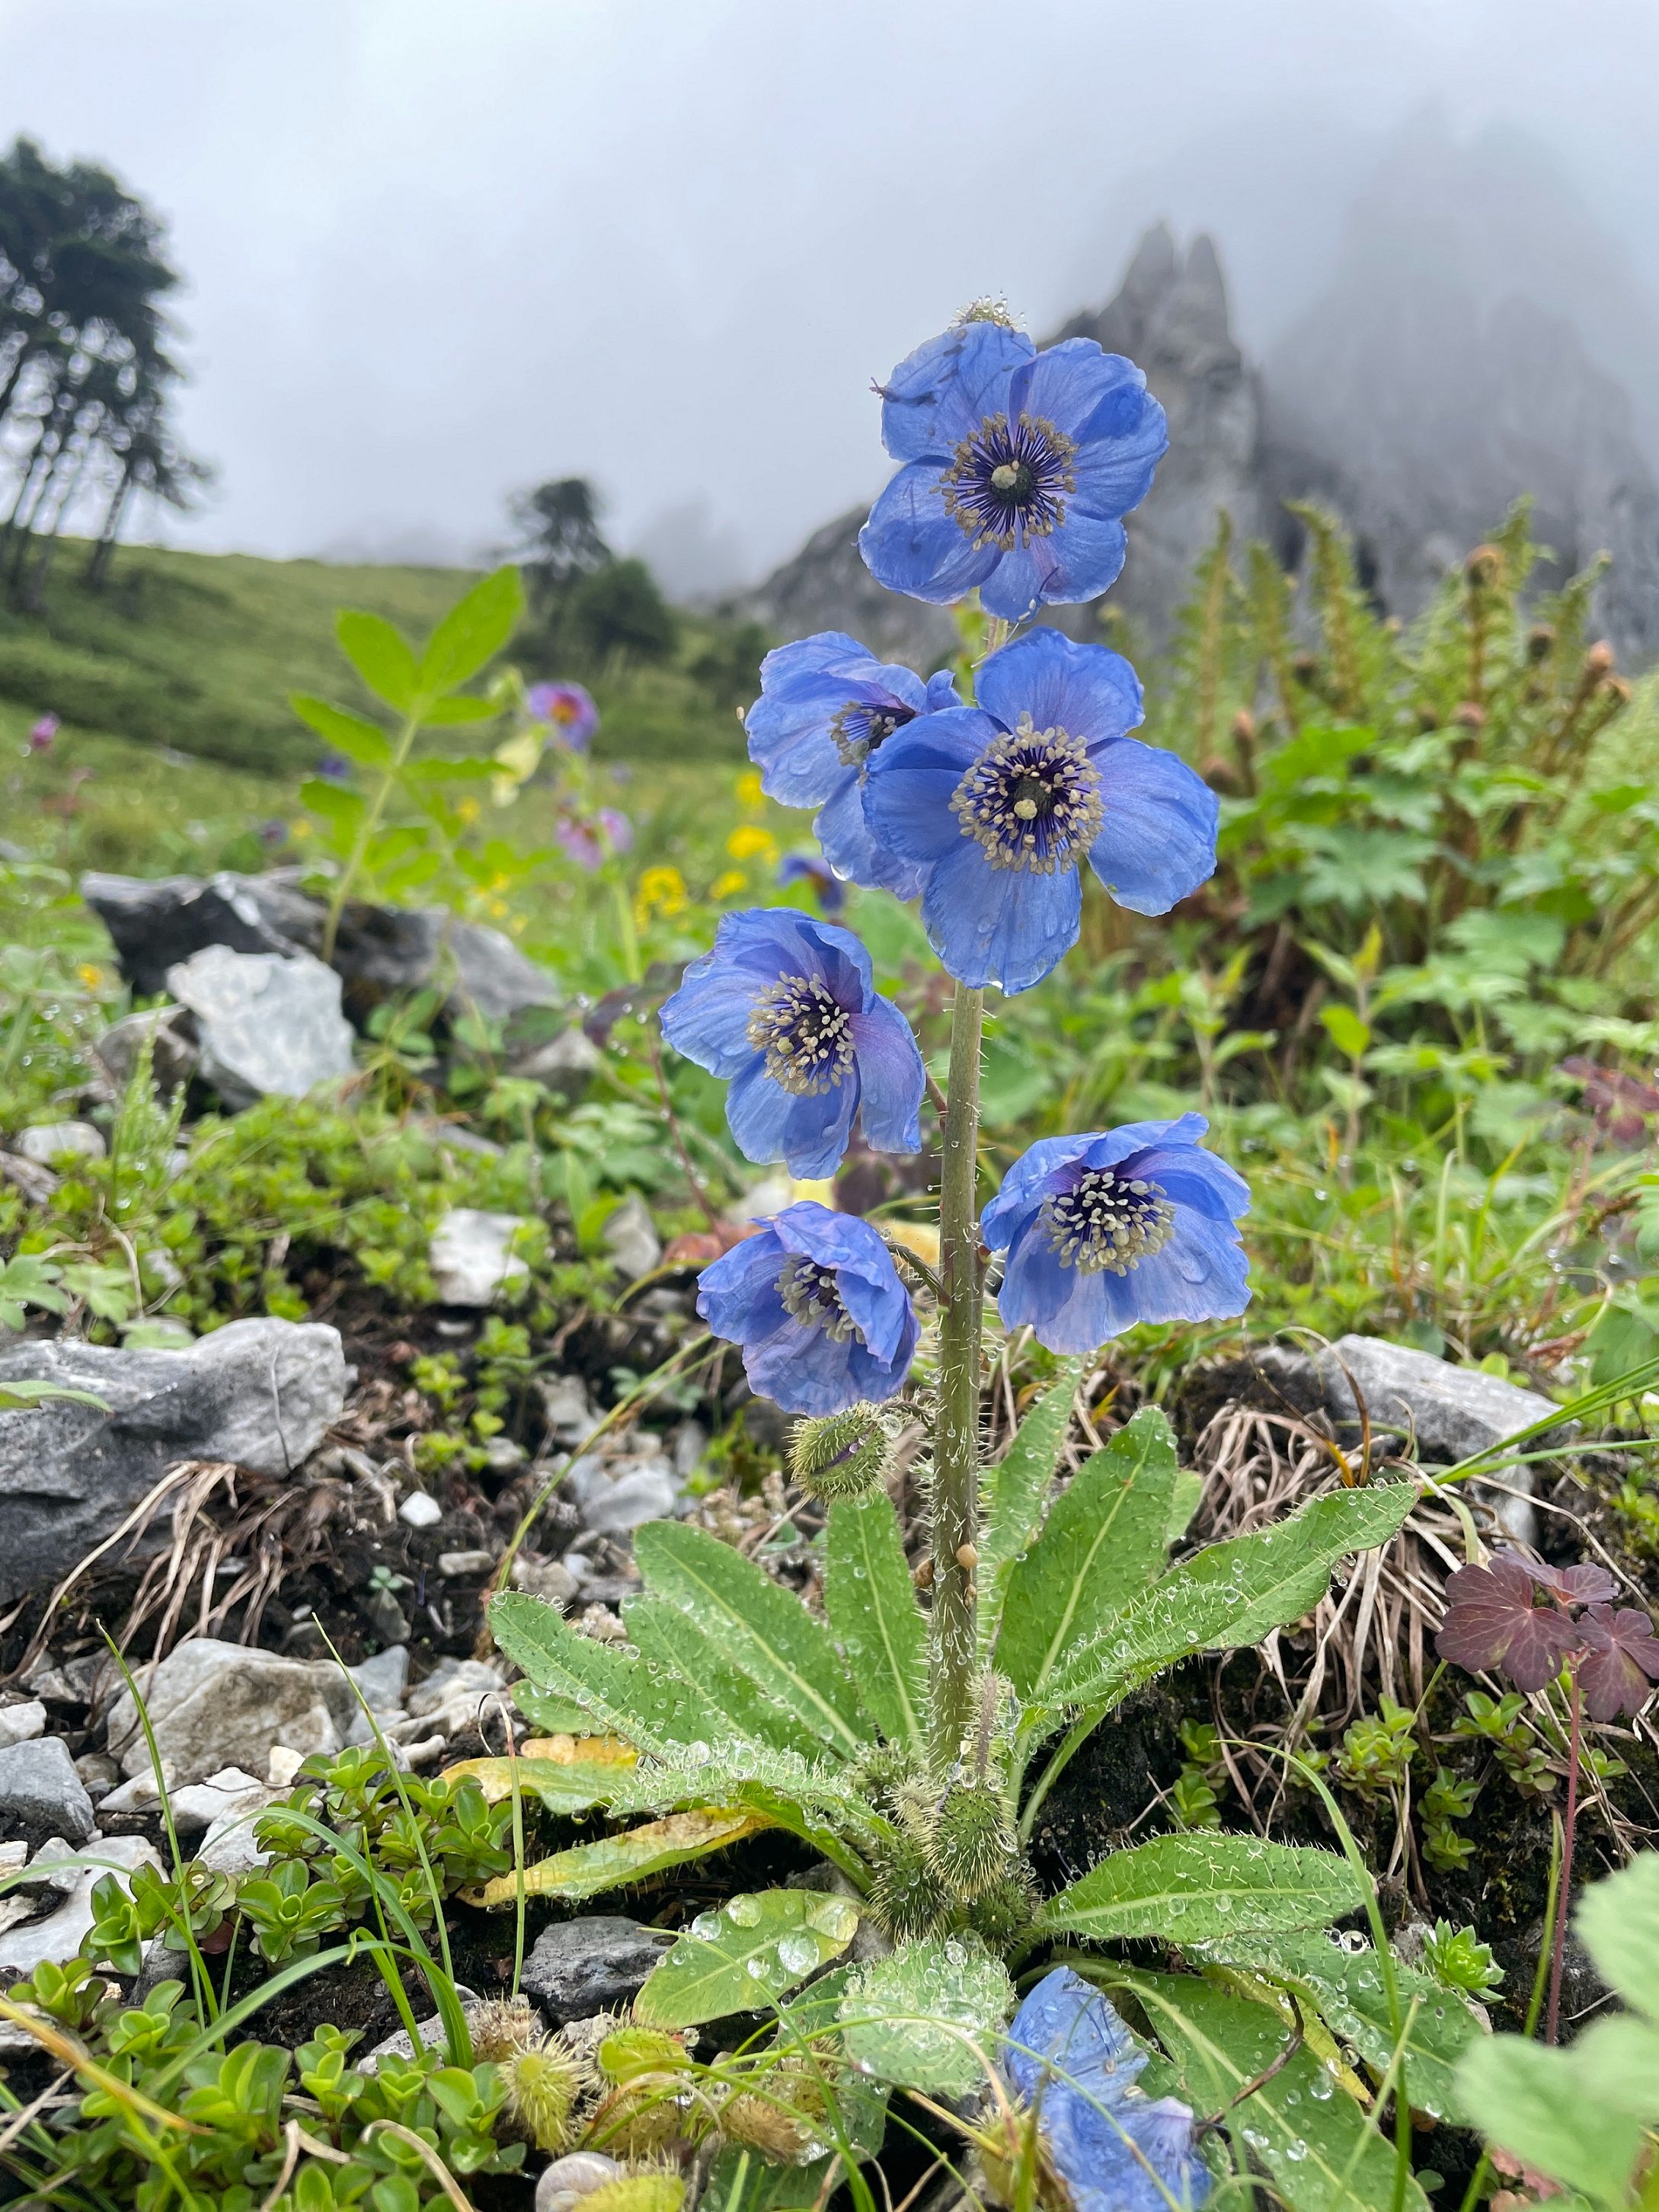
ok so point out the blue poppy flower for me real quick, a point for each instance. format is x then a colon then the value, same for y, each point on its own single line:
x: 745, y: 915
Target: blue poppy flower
x: 784, y: 1009
x: 813, y: 868
x: 1069, y: 2056
x: 1019, y: 467
x: 816, y: 1303
x: 826, y: 707
x: 1105, y: 1229
x: 1001, y: 802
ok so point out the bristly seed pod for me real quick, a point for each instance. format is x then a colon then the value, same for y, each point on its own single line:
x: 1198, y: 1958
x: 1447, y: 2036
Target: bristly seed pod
x: 545, y: 2084
x: 842, y: 1454
x: 973, y: 1842
x: 908, y: 1900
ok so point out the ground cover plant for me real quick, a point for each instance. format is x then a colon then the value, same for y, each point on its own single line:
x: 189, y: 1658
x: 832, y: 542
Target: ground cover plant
x: 1035, y: 1821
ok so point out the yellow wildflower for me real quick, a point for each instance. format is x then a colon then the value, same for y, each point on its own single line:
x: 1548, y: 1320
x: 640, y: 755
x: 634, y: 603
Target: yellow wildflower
x: 728, y: 885
x: 466, y: 810
x: 661, y: 890
x: 748, y: 842
x: 90, y: 978
x: 750, y: 794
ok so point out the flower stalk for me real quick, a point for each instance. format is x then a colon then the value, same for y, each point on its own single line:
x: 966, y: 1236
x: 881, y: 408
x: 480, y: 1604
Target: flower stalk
x: 956, y: 1453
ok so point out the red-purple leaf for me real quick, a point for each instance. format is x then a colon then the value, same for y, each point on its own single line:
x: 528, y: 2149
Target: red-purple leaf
x: 1620, y: 1663
x: 1491, y: 1621
x: 1585, y: 1585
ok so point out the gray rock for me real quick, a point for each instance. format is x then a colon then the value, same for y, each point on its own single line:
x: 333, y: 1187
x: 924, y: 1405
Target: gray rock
x: 257, y: 1392
x: 570, y: 1418
x: 156, y: 924
x: 550, y: 1580
x: 1446, y: 1414
x: 565, y: 1065
x: 631, y: 1239
x: 401, y: 2045
x: 471, y: 1257
x: 384, y: 1678
x: 420, y: 1510
x: 470, y: 1566
x: 270, y: 1026
x: 47, y: 1142
x: 173, y: 1054
x: 448, y: 1699
x: 621, y: 1497
x: 22, y: 1722
x: 40, y: 1793
x: 592, y: 1963
x: 59, y: 1936
x: 213, y: 1706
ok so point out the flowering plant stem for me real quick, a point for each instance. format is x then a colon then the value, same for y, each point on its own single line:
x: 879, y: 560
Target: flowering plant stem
x: 367, y: 829
x: 1563, y: 1904
x: 956, y: 1451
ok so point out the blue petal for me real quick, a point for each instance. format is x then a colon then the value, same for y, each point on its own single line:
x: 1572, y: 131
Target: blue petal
x: 911, y: 781
x: 998, y: 924
x: 1066, y: 1309
x: 1087, y: 393
x: 707, y: 1019
x: 1083, y: 557
x: 760, y: 943
x: 1157, y: 842
x: 1195, y: 1179
x: 851, y: 848
x: 737, y: 1294
x: 1028, y: 1182
x: 1115, y: 467
x: 804, y: 687
x: 1066, y: 2021
x: 877, y: 1378
x: 758, y: 1111
x: 891, y: 1078
x: 942, y: 692
x: 940, y: 392
x: 1201, y: 1273
x: 804, y: 1371
x: 1019, y: 584
x: 844, y: 963
x: 1086, y: 689
x: 911, y: 545
x: 1108, y: 1146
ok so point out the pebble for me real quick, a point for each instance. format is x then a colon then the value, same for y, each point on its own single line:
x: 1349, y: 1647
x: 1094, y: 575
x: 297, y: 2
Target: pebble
x: 48, y: 1142
x: 20, y: 1721
x: 420, y: 1510
x: 40, y: 1793
x: 453, y: 1564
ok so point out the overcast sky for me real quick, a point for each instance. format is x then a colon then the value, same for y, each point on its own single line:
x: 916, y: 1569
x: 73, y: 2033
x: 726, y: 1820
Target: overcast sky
x: 437, y: 249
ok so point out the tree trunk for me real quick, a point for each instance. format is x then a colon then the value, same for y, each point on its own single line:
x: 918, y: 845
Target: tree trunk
x: 103, y: 553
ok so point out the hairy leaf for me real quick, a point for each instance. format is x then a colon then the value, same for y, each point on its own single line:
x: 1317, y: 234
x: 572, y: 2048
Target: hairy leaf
x: 764, y: 1630
x: 1015, y: 1490
x: 613, y: 1861
x: 929, y: 2016
x: 627, y: 1697
x: 1308, y: 2133
x: 361, y: 741
x: 1192, y: 1889
x: 473, y: 631
x: 745, y: 1956
x: 568, y: 1774
x: 381, y: 657
x: 1101, y: 1544
x: 674, y: 1641
x: 871, y: 1604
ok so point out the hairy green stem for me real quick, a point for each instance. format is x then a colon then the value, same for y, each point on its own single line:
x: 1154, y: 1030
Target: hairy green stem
x: 956, y: 1451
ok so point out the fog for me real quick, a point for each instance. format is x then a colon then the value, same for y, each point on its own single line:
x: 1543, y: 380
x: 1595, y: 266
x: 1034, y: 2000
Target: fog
x: 439, y: 249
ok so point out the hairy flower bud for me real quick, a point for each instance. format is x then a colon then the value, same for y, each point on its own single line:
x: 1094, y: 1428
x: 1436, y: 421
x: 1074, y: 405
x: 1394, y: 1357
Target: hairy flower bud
x: 842, y: 1454
x: 973, y: 1843
x: 908, y: 1900
x: 545, y: 2083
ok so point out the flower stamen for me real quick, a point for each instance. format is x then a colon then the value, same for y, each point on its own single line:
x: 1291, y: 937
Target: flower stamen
x: 1031, y: 800
x: 811, y: 1296
x: 1006, y: 485
x: 806, y: 1035
x: 861, y: 729
x: 1107, y: 1223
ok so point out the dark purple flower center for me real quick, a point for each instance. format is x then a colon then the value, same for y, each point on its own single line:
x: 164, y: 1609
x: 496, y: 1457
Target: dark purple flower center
x: 805, y: 1033
x: 811, y: 1296
x: 1032, y: 800
x: 1108, y: 1222
x: 1008, y: 484
x: 862, y: 728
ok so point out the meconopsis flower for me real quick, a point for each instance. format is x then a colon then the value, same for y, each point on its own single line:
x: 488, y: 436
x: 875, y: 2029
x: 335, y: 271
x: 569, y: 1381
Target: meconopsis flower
x: 786, y: 1010
x: 1070, y: 2057
x: 826, y: 707
x: 1107, y: 1229
x: 569, y: 710
x: 816, y: 1303
x: 1000, y: 803
x: 1019, y: 469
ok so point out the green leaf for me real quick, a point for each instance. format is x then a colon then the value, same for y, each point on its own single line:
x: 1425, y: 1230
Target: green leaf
x: 342, y: 809
x: 617, y: 1860
x: 1344, y: 1029
x: 17, y: 1397
x: 1189, y: 1489
x: 1193, y: 1889
x: 1618, y: 1921
x: 929, y: 2016
x: 1305, y: 2129
x: 361, y: 741
x: 1619, y: 2061
x: 746, y: 1956
x: 473, y: 632
x: 27, y: 1280
x: 571, y: 1778
x: 1230, y: 1595
x: 1015, y: 1492
x: 1101, y: 1544
x: 673, y: 1641
x: 381, y: 657
x: 625, y: 1697
x: 764, y: 1630
x: 447, y: 713
x: 872, y: 1605
x: 1537, y: 2105
x: 1347, y: 1989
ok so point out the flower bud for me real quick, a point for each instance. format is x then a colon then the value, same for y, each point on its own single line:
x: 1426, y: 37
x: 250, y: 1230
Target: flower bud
x: 1484, y: 565
x: 842, y: 1454
x: 545, y: 2084
x: 973, y: 1844
x: 1470, y: 716
x: 1598, y: 661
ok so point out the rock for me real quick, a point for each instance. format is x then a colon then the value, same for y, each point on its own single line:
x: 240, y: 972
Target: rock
x: 1447, y: 1412
x: 455, y: 1566
x: 615, y: 1500
x: 40, y: 1793
x: 198, y: 1805
x: 379, y: 951
x: 401, y: 2045
x: 213, y: 1706
x: 270, y: 1026
x: 420, y: 1510
x: 570, y: 1419
x: 384, y: 1678
x: 49, y: 1142
x: 381, y: 1610
x: 257, y: 1392
x: 100, y: 1773
x: 630, y: 1237
x: 59, y: 1937
x: 37, y: 1184
x: 174, y: 1056
x: 471, y: 1257
x: 595, y: 1963
x: 550, y: 1580
x: 21, y: 1722
x: 565, y: 1065
x: 448, y: 1699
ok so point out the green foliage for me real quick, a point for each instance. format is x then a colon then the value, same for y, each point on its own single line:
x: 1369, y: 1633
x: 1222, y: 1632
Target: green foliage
x: 752, y: 1951
x: 926, y: 2017
x: 1194, y: 1889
